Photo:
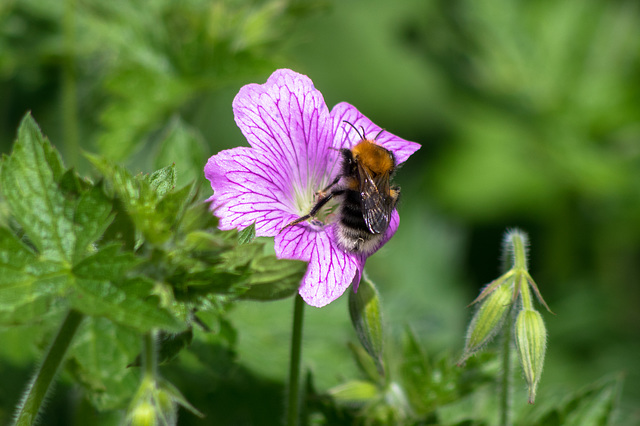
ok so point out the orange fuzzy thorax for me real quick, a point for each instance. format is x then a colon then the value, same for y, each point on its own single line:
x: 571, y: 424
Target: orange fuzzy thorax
x: 374, y: 157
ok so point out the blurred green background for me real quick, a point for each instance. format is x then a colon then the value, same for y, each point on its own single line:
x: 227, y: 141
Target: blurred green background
x: 528, y: 113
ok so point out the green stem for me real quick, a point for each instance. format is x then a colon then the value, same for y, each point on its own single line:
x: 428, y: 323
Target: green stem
x: 293, y: 403
x: 149, y: 355
x: 31, y: 402
x: 505, y: 383
x: 518, y: 243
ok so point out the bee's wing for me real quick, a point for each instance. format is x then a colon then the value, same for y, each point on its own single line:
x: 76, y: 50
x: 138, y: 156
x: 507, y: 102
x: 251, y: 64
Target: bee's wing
x: 377, y: 204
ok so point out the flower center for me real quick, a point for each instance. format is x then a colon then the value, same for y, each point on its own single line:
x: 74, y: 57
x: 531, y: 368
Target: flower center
x: 306, y: 198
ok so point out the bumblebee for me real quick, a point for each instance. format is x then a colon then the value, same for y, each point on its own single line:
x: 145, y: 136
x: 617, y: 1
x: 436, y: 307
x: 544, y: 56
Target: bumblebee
x: 367, y: 199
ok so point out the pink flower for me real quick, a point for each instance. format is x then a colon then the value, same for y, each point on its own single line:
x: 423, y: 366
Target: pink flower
x: 294, y: 153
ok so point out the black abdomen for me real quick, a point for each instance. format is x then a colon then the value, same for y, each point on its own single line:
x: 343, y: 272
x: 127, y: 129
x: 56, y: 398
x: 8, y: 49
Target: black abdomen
x: 353, y: 233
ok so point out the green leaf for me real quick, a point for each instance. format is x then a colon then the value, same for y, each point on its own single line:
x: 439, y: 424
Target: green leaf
x: 416, y: 372
x: 173, y: 205
x: 28, y: 286
x: 163, y: 181
x: 272, y: 279
x: 591, y: 406
x: 150, y: 201
x: 478, y: 407
x: 99, y: 357
x: 247, y: 235
x: 102, y: 298
x: 109, y: 264
x: 366, y: 317
x: 93, y: 214
x: 28, y: 180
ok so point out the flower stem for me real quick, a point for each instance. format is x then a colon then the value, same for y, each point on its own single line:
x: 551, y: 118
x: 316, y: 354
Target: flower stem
x: 32, y: 400
x: 149, y: 354
x: 519, y: 245
x: 505, y: 383
x: 293, y: 403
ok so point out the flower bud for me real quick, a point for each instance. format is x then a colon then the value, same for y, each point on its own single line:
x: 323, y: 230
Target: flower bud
x: 366, y: 317
x: 531, y: 340
x: 144, y: 414
x: 488, y: 319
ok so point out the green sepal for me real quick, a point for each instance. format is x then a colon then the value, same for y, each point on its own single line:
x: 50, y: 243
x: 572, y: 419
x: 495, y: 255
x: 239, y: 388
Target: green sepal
x: 488, y: 319
x: 177, y: 396
x: 366, y: 317
x: 531, y: 341
x: 355, y: 392
x: 365, y: 363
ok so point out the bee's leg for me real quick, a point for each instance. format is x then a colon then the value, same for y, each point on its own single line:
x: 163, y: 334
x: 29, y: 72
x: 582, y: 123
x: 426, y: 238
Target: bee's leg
x: 394, y: 191
x: 316, y: 207
x: 322, y: 192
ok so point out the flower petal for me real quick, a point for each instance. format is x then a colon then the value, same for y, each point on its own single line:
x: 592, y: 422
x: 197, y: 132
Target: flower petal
x: 287, y: 118
x: 329, y: 274
x: 345, y: 136
x: 330, y: 270
x: 247, y: 189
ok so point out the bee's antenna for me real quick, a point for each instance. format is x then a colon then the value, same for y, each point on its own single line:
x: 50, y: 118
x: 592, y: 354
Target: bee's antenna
x: 356, y: 129
x: 379, y: 133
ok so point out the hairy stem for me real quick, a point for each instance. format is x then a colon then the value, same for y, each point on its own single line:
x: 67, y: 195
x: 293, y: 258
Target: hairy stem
x: 293, y: 403
x: 31, y: 402
x: 505, y: 382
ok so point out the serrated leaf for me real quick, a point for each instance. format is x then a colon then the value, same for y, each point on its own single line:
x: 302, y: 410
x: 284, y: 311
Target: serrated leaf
x: 247, y: 235
x: 163, y: 180
x: 102, y: 298
x: 109, y: 264
x: 366, y: 317
x: 92, y: 217
x: 98, y: 359
x: 28, y: 180
x: 146, y: 199
x: 173, y: 205
x: 28, y: 286
x: 121, y: 227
